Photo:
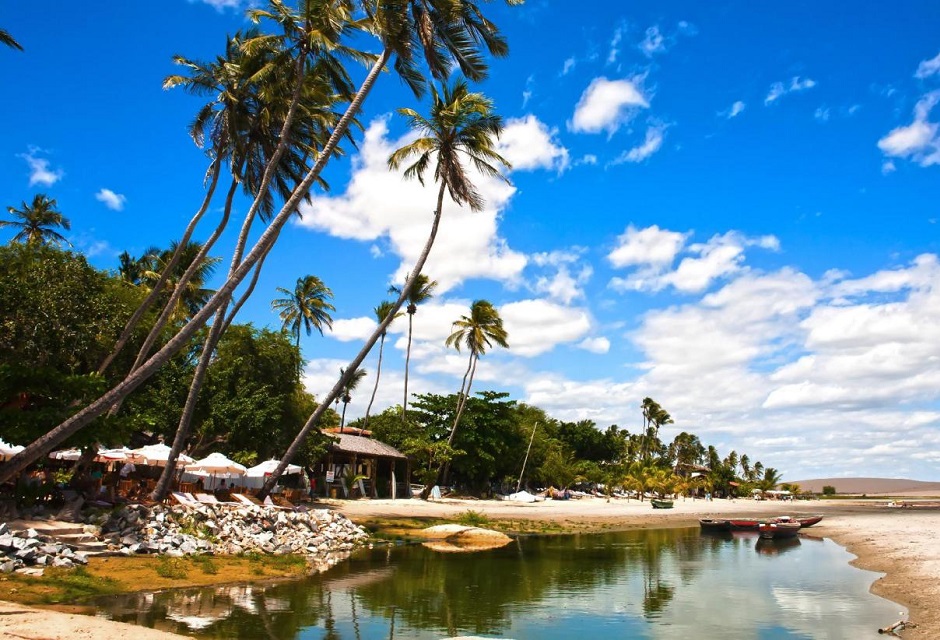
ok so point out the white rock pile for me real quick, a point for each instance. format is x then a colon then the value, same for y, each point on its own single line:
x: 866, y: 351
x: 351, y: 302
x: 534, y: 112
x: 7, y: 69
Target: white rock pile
x: 21, y: 550
x: 324, y: 536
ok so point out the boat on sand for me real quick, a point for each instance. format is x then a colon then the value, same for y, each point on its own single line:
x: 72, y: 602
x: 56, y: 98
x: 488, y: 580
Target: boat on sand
x: 778, y: 529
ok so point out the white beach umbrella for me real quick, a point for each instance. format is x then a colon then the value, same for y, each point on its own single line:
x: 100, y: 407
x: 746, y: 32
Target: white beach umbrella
x: 216, y: 464
x: 268, y: 466
x: 70, y: 455
x: 155, y: 455
x: 8, y: 450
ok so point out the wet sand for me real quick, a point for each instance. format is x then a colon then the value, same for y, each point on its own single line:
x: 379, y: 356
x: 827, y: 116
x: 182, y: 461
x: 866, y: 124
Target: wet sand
x: 897, y: 542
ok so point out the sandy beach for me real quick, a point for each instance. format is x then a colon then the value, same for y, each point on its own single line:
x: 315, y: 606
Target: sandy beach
x: 894, y: 541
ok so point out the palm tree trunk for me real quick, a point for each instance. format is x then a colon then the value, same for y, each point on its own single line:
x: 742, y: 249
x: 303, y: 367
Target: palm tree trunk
x: 43, y: 445
x: 298, y: 442
x: 378, y: 373
x: 404, y: 403
x: 445, y: 469
x: 342, y: 421
x: 174, y: 260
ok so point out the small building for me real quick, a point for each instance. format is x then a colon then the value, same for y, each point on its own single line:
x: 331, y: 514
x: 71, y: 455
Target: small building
x: 379, y: 469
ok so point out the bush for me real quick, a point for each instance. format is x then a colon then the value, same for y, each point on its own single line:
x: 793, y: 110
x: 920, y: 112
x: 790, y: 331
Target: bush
x: 472, y: 519
x: 829, y: 490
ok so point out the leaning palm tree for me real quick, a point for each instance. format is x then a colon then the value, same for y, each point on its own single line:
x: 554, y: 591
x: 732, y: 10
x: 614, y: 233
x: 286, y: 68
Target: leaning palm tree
x: 452, y: 35
x: 36, y: 222
x: 7, y: 39
x: 381, y: 311
x: 421, y: 290
x: 307, y: 307
x: 352, y: 381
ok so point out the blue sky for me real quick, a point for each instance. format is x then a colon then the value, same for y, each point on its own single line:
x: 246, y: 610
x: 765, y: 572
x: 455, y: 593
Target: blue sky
x: 729, y: 207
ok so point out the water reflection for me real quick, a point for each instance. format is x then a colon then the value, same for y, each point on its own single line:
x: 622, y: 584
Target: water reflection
x: 670, y: 583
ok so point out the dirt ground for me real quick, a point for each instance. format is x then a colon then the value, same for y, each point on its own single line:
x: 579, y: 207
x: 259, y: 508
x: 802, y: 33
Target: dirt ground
x: 895, y: 541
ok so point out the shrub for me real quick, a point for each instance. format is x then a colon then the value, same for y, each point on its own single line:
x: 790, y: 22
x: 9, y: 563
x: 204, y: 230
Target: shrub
x: 829, y: 490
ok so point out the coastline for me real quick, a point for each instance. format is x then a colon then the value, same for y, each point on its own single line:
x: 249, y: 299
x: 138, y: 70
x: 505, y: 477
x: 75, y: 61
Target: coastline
x: 895, y: 542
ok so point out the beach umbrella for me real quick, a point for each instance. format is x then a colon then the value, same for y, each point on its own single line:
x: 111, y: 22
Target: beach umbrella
x: 70, y: 455
x: 155, y: 455
x: 8, y: 450
x: 267, y: 468
x: 216, y: 464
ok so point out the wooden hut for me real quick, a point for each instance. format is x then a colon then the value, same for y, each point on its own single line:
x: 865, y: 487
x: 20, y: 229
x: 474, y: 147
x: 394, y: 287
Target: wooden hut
x: 382, y: 470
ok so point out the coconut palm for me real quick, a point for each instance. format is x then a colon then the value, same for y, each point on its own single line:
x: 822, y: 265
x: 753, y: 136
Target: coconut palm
x: 7, y: 39
x: 477, y: 332
x: 452, y: 34
x: 307, y: 307
x: 420, y: 291
x: 36, y: 222
x: 381, y: 311
x: 155, y: 271
x: 352, y: 381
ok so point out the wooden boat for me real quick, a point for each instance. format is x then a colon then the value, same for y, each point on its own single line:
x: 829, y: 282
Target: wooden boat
x: 661, y: 504
x: 778, y: 529
x: 809, y: 521
x: 714, y: 526
x: 744, y: 525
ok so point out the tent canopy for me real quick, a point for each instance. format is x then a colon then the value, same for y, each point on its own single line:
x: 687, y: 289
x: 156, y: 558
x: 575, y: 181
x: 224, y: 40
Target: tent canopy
x: 268, y: 466
x: 215, y: 464
x: 8, y: 450
x: 155, y: 455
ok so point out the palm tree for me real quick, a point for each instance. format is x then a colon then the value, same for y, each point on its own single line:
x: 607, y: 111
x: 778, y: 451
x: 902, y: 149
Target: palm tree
x: 770, y: 479
x: 421, y: 290
x: 307, y: 307
x: 352, y: 381
x: 477, y: 332
x: 7, y: 39
x: 452, y: 35
x: 155, y: 270
x: 36, y: 222
x: 381, y: 311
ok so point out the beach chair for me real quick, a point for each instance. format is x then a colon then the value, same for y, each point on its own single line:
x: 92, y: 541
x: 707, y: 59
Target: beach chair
x: 206, y: 498
x: 247, y: 500
x: 184, y: 499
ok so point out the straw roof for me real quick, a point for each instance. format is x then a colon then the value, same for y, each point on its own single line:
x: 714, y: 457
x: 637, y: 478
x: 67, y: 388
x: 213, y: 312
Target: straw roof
x: 353, y: 444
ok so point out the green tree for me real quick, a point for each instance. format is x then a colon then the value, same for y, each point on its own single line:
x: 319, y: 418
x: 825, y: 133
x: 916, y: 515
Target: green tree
x: 381, y: 311
x: 421, y: 290
x: 458, y: 37
x: 36, y: 222
x: 307, y: 307
x: 829, y: 490
x: 352, y: 381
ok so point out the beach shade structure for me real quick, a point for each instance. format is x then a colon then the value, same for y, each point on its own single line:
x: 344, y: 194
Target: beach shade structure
x: 113, y: 455
x: 155, y: 455
x: 69, y: 455
x: 267, y: 467
x: 216, y: 464
x: 8, y: 450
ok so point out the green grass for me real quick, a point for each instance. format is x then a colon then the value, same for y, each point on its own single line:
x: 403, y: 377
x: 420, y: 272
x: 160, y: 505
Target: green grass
x: 473, y: 518
x: 76, y: 584
x: 172, y: 568
x: 206, y: 563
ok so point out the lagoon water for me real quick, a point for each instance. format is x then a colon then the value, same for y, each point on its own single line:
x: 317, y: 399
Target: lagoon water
x: 671, y: 583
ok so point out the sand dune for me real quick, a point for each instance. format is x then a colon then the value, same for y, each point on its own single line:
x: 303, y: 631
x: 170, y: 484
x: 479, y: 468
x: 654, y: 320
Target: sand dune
x: 873, y: 486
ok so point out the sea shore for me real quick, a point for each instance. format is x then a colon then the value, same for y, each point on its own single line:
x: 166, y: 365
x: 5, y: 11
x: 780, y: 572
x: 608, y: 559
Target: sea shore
x: 895, y: 541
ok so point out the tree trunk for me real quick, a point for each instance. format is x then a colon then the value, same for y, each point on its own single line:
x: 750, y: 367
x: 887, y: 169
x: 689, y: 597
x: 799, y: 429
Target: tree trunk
x: 47, y: 442
x: 174, y: 260
x: 404, y: 402
x: 378, y: 372
x: 363, y: 352
x: 445, y: 468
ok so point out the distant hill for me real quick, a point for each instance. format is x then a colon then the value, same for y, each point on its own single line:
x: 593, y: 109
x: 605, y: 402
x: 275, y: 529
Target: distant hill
x: 872, y: 486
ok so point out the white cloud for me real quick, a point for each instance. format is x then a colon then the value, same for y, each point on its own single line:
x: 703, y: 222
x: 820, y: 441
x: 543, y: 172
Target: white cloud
x: 928, y: 68
x: 780, y: 89
x: 734, y: 110
x: 650, y: 246
x: 607, y: 104
x: 918, y: 141
x: 529, y: 144
x: 653, y: 42
x: 221, y: 5
x: 652, y: 144
x: 113, y: 201
x: 39, y: 171
x: 568, y: 66
x: 888, y: 167
x: 595, y: 345
x: 822, y: 114
x: 538, y: 326
x: 349, y: 329
x: 615, y: 45
x: 722, y: 256
x: 378, y: 204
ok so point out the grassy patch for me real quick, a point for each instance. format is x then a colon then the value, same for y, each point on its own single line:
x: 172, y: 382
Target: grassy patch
x: 57, y: 585
x: 471, y: 518
x: 206, y: 564
x: 172, y: 568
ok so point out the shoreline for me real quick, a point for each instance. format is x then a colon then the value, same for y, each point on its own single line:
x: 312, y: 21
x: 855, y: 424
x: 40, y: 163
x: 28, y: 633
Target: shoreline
x: 894, y: 542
